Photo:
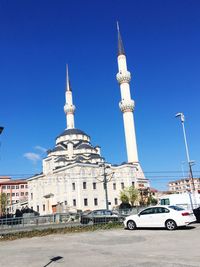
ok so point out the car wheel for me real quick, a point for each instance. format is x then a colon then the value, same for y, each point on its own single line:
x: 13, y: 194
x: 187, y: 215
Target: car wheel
x: 131, y: 225
x: 170, y: 225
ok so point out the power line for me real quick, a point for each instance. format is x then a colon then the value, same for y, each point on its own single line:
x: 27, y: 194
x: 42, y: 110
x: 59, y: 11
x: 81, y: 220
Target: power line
x: 144, y: 172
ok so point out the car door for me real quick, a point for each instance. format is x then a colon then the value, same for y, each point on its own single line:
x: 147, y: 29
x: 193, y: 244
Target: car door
x: 146, y: 218
x: 160, y: 216
x: 98, y: 216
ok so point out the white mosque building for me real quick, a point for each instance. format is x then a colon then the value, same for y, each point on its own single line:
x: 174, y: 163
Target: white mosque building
x: 75, y: 176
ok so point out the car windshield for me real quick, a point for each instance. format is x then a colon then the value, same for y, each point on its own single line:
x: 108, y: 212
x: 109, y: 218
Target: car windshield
x: 176, y: 208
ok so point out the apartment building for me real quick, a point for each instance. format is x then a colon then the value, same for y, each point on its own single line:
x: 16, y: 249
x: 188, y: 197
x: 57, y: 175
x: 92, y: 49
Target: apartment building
x: 15, y: 190
x: 184, y: 185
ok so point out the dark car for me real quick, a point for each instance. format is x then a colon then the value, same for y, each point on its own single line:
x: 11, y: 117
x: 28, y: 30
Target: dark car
x: 197, y: 214
x: 99, y: 216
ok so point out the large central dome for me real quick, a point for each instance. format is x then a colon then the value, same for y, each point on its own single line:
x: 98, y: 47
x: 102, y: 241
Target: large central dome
x: 72, y: 132
x: 73, y: 146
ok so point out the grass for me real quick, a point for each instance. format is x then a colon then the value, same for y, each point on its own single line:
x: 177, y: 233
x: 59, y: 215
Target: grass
x: 64, y: 230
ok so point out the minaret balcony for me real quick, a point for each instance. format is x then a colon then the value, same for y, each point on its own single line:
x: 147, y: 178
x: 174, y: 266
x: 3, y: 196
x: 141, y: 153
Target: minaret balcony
x: 69, y: 109
x: 124, y: 77
x: 127, y: 105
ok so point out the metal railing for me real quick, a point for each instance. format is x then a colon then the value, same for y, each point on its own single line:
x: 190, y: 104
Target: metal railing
x: 48, y: 221
x: 30, y: 222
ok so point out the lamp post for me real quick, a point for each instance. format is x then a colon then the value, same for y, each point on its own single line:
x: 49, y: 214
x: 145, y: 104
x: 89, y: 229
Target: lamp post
x: 190, y: 163
x: 1, y: 130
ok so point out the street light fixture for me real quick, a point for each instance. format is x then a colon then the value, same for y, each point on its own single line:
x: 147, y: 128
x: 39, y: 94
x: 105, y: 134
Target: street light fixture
x: 1, y: 129
x: 190, y: 163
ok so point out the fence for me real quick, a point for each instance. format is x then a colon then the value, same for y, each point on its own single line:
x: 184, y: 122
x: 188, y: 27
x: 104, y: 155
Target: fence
x: 29, y: 221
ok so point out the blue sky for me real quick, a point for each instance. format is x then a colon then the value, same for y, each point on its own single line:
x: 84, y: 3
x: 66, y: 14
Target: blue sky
x: 161, y: 39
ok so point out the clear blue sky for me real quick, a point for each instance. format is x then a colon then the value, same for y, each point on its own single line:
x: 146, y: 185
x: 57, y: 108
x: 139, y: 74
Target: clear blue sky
x: 162, y: 44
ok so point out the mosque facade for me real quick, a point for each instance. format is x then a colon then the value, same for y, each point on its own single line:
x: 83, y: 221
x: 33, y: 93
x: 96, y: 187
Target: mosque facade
x: 75, y: 176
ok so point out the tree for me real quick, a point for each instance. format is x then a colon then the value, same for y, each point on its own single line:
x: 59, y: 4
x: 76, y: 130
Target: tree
x: 151, y: 200
x: 3, y: 203
x: 124, y: 197
x: 133, y: 195
x: 129, y: 195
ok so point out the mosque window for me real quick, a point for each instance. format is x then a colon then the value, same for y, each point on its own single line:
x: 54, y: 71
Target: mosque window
x: 95, y: 201
x: 114, y: 186
x: 73, y: 186
x: 122, y: 185
x: 74, y: 202
x: 84, y: 185
x: 116, y: 201
x: 85, y: 201
x: 94, y: 185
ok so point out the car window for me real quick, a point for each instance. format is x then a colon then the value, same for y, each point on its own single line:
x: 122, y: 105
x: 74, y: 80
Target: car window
x: 147, y: 211
x: 161, y: 210
x: 98, y: 212
x: 107, y: 212
x: 176, y: 208
x: 165, y: 210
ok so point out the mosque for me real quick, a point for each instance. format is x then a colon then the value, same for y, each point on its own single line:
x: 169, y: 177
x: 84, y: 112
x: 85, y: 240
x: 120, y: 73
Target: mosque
x: 75, y: 176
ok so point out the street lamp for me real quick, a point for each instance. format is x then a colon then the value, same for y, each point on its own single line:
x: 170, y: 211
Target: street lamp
x: 1, y: 129
x: 190, y: 163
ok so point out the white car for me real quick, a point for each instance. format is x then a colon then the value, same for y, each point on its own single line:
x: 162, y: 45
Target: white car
x: 169, y: 217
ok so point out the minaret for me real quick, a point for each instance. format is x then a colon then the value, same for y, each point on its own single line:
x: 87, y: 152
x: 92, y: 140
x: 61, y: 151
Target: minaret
x: 126, y: 104
x: 69, y: 108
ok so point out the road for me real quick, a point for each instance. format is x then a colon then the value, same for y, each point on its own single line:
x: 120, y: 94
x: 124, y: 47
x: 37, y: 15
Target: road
x: 117, y: 247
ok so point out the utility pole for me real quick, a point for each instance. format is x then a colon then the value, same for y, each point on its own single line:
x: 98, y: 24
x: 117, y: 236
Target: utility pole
x: 105, y: 185
x: 182, y: 117
x: 105, y: 182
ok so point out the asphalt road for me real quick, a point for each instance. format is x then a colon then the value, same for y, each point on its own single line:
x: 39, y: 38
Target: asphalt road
x: 119, y: 248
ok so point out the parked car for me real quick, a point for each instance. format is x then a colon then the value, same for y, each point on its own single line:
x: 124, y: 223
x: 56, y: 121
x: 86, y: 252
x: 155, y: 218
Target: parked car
x: 169, y: 217
x: 99, y: 216
x: 197, y: 214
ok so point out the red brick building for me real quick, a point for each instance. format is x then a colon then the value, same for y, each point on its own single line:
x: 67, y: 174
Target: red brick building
x: 15, y: 190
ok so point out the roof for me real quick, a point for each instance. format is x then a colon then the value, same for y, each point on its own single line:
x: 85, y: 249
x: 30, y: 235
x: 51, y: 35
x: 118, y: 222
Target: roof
x: 5, y: 178
x: 86, y: 146
x: 120, y: 43
x: 61, y: 159
x: 12, y: 182
x: 71, y: 132
x: 58, y: 148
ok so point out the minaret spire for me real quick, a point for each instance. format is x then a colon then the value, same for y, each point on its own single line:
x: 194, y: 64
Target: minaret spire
x: 69, y: 108
x: 120, y: 43
x: 68, y: 88
x: 126, y: 104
